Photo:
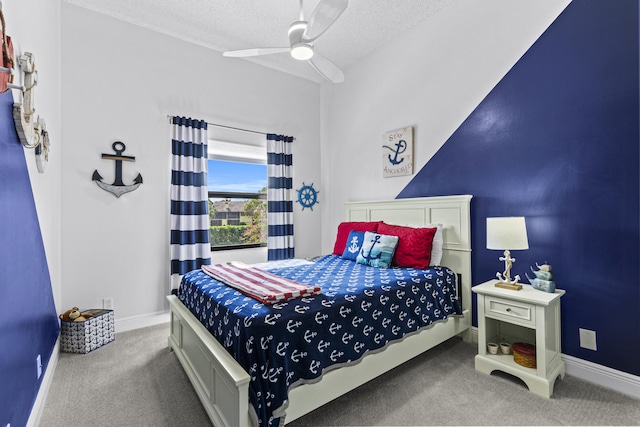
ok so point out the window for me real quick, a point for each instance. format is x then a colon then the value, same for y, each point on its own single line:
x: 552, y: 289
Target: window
x: 237, y: 193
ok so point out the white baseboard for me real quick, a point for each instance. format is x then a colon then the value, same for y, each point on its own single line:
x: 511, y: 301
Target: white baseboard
x: 602, y: 376
x: 597, y: 374
x: 137, y: 322
x: 43, y: 392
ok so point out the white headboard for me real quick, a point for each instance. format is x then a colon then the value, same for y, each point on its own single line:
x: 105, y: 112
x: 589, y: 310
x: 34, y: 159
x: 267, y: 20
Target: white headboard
x: 453, y: 212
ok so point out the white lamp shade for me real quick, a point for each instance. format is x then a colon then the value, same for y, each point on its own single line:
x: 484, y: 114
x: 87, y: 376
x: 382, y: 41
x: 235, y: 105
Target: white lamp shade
x: 507, y: 233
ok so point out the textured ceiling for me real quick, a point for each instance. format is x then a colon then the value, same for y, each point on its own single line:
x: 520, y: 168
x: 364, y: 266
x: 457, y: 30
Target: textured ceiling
x: 238, y: 24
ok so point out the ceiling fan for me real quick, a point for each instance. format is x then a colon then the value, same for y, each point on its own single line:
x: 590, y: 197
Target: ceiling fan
x: 301, y: 36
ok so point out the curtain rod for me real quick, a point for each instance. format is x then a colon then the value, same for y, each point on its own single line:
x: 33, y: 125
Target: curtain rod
x: 227, y: 127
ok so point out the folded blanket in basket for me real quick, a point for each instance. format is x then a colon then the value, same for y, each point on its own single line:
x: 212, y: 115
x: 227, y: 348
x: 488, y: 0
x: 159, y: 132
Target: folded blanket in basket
x: 258, y: 284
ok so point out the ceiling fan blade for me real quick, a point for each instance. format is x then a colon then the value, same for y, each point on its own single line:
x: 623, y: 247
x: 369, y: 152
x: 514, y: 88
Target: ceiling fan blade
x: 326, y: 68
x: 324, y: 15
x: 258, y: 51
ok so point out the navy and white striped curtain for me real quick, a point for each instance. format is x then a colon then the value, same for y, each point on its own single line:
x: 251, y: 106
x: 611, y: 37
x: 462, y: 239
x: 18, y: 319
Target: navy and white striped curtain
x: 280, y: 204
x: 189, y: 196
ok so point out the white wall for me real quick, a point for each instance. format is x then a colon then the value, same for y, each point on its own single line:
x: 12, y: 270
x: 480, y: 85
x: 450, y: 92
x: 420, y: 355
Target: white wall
x: 430, y: 78
x: 34, y: 26
x: 119, y: 83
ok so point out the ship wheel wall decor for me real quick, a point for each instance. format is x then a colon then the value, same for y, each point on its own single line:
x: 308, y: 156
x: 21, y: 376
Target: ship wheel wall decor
x: 307, y: 196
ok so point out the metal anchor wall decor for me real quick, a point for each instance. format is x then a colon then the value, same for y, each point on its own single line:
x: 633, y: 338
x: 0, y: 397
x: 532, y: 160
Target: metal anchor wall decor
x: 117, y: 188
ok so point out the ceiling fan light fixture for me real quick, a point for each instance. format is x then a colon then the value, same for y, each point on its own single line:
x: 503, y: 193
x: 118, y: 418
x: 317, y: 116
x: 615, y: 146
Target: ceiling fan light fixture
x: 302, y: 51
x: 302, y: 36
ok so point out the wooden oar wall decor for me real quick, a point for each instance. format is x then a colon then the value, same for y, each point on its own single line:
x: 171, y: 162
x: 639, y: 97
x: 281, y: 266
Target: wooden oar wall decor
x: 31, y: 129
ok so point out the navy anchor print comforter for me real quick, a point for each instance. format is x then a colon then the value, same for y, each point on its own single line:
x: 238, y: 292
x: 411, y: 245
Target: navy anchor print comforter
x: 360, y: 309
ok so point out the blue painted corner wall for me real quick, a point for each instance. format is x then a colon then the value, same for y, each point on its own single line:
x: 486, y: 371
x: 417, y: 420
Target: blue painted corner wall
x: 557, y: 141
x: 28, y: 322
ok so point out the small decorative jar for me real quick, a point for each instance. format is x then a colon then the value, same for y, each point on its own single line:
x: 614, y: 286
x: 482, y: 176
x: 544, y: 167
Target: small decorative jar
x: 492, y: 348
x: 505, y: 347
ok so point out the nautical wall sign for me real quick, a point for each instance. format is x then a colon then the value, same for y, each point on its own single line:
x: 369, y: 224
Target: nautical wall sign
x: 397, y: 152
x: 117, y: 188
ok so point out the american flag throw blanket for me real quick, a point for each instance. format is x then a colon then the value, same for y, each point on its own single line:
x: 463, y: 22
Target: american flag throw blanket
x: 258, y: 284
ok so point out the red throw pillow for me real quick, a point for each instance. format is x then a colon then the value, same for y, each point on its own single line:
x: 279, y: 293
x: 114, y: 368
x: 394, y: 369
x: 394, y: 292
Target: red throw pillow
x: 343, y: 233
x: 414, y: 245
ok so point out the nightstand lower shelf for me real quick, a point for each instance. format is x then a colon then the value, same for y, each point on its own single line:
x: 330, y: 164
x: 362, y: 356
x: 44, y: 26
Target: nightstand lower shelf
x: 503, y: 362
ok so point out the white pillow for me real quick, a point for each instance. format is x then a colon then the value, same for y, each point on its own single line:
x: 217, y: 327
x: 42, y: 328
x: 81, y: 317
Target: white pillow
x: 436, y: 245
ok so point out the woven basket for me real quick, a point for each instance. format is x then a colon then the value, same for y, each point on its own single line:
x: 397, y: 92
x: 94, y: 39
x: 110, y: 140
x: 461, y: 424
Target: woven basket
x: 524, y: 354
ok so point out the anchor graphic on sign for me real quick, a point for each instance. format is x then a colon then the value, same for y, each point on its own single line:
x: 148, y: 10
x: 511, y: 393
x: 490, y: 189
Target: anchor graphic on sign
x: 117, y: 188
x: 401, y: 147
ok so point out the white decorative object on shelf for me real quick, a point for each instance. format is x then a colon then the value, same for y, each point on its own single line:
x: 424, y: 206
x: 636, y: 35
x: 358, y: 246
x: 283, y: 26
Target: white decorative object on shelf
x: 544, y: 278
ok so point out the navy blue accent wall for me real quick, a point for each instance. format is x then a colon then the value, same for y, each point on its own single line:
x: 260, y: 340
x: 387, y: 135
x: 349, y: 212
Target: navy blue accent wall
x: 557, y: 141
x: 28, y: 322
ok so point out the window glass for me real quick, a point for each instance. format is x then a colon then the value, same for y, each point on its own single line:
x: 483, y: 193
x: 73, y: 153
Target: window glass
x: 237, y: 195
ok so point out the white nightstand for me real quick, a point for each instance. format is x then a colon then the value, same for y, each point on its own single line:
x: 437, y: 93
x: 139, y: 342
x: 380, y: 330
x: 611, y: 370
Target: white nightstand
x: 527, y: 315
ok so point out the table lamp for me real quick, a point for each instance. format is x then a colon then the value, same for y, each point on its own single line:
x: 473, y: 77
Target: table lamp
x: 507, y: 233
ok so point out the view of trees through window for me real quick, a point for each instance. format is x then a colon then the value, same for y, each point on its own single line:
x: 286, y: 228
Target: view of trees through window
x: 237, y: 205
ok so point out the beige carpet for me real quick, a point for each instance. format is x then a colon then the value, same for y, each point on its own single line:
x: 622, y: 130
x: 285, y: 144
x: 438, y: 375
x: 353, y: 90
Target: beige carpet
x: 132, y: 381
x: 137, y: 381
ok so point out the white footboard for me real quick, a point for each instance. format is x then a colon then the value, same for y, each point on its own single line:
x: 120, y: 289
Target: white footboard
x: 220, y: 382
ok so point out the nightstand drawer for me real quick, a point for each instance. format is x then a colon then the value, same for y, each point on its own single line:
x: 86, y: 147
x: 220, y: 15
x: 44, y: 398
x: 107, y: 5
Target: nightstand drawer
x: 522, y: 313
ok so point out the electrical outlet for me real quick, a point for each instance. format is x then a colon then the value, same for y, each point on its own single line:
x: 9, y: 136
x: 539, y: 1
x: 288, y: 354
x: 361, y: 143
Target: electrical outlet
x: 38, y: 367
x: 107, y: 303
x: 588, y: 339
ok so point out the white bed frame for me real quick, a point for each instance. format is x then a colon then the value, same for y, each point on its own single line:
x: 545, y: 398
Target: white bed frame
x: 222, y: 384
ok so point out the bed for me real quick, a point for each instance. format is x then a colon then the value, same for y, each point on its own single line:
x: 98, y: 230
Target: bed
x: 223, y: 385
